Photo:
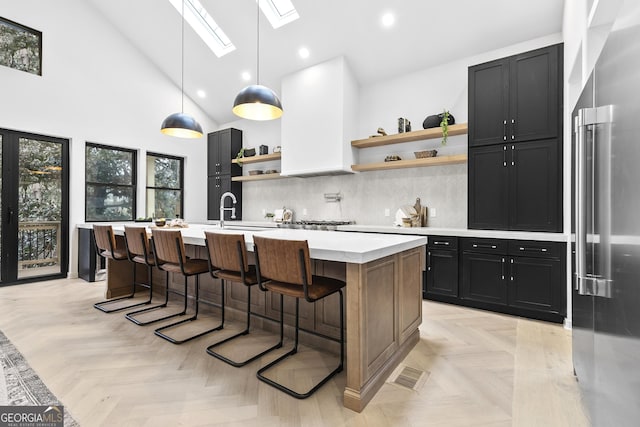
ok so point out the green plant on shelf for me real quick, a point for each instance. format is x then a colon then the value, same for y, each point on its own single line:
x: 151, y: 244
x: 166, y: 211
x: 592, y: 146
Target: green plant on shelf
x: 444, y: 125
x: 240, y: 156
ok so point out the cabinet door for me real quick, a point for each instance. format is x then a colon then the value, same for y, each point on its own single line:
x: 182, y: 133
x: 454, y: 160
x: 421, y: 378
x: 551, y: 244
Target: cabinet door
x: 213, y: 156
x: 213, y: 198
x: 535, y: 187
x: 230, y: 145
x: 442, y: 272
x: 488, y: 102
x: 488, y: 187
x: 483, y: 278
x: 535, y: 95
x: 536, y: 284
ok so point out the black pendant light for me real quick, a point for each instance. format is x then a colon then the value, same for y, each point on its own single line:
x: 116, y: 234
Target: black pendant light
x: 180, y: 124
x: 257, y: 102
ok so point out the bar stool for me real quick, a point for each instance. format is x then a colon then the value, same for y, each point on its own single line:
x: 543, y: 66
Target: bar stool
x: 139, y: 251
x: 284, y: 267
x: 227, y: 256
x: 168, y: 248
x: 107, y: 247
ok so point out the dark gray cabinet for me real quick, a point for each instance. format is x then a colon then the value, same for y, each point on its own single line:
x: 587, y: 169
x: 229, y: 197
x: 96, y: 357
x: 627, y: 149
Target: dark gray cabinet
x: 515, y: 142
x: 516, y: 186
x: 517, y: 98
x: 222, y: 148
x: 441, y: 275
x: 516, y: 277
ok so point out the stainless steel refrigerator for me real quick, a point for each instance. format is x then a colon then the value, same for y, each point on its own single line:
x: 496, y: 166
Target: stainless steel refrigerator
x: 606, y: 230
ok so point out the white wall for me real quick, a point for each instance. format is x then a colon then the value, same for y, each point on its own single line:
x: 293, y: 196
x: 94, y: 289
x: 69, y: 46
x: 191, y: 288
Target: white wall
x: 367, y: 195
x: 96, y: 87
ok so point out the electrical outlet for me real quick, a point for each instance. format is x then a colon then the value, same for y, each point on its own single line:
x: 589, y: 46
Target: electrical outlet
x: 304, y: 211
x: 264, y: 212
x: 387, y: 212
x: 432, y: 212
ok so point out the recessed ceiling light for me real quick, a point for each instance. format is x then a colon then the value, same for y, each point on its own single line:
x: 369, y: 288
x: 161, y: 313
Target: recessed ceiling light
x: 246, y: 76
x: 388, y: 19
x: 201, y: 93
x: 303, y: 52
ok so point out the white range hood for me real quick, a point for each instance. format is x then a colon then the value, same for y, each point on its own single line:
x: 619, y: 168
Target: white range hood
x: 319, y: 120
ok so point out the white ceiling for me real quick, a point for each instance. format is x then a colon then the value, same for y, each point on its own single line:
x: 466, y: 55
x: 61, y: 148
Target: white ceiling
x: 426, y: 33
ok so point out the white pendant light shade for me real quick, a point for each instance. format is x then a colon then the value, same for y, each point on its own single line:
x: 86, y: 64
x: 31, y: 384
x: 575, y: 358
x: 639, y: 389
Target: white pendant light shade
x: 257, y: 102
x: 181, y: 125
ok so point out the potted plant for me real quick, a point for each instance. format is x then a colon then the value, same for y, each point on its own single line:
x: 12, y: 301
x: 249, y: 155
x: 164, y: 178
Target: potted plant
x: 444, y: 125
x: 239, y: 156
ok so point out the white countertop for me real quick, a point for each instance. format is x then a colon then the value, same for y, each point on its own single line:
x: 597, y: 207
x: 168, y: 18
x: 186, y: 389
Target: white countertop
x: 357, y: 248
x: 459, y: 232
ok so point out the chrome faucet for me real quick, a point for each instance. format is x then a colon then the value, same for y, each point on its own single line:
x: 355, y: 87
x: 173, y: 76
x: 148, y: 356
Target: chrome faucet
x: 222, y: 208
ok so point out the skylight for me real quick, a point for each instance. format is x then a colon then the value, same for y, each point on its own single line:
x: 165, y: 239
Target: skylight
x: 204, y: 25
x: 278, y: 12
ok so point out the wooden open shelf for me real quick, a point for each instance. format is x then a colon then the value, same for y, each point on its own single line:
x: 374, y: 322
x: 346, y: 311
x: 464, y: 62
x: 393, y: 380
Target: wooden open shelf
x: 257, y: 159
x: 261, y: 177
x: 417, y: 135
x: 413, y: 163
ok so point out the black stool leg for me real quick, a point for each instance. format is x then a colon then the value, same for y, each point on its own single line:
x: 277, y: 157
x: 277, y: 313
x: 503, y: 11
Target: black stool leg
x: 130, y: 316
x: 101, y: 305
x: 159, y: 332
x: 294, y: 350
x: 238, y: 364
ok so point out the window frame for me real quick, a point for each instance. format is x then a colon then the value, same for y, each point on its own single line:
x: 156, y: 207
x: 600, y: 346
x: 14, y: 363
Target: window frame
x: 32, y: 31
x: 181, y: 180
x: 133, y: 185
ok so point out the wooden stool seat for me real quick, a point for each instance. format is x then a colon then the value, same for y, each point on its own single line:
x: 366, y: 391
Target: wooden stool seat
x: 322, y: 286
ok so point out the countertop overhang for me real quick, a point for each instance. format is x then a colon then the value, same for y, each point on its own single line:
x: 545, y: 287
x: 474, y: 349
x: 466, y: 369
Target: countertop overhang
x: 356, y: 248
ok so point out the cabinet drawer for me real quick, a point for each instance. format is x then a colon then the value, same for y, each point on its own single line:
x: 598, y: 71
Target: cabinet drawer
x: 531, y: 248
x: 488, y: 246
x: 443, y: 242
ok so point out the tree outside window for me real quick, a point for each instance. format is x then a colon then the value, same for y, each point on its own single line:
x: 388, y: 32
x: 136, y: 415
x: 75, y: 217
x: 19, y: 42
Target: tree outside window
x: 164, y: 186
x: 110, y: 180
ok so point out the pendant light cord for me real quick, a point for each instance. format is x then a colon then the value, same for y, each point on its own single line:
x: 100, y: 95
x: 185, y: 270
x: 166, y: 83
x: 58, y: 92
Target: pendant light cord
x: 182, y: 59
x: 258, y: 42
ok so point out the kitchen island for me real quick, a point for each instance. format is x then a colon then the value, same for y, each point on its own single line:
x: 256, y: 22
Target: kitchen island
x: 383, y: 295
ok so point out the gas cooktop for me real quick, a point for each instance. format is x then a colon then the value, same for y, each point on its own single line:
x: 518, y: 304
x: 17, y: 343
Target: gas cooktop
x: 316, y: 224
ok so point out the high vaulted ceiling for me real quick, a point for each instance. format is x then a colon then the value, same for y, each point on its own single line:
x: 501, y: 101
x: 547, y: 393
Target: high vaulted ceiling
x: 426, y: 33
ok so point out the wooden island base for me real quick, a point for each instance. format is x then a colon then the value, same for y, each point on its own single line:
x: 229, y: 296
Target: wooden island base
x: 383, y: 311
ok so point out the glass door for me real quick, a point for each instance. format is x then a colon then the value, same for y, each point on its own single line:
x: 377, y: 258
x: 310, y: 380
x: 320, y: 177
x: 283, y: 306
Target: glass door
x: 34, y: 205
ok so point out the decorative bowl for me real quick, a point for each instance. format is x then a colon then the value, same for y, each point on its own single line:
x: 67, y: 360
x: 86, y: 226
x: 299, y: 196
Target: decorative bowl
x: 160, y: 222
x: 255, y: 172
x: 425, y: 153
x: 249, y: 152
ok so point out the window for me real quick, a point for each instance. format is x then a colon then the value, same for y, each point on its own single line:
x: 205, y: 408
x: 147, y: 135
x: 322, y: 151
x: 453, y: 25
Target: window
x: 164, y: 186
x: 110, y: 183
x: 20, y: 47
x: 205, y: 26
x: 278, y: 12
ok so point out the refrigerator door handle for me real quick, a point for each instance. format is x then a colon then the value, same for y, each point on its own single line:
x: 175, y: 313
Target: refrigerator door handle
x: 588, y: 283
x: 580, y: 201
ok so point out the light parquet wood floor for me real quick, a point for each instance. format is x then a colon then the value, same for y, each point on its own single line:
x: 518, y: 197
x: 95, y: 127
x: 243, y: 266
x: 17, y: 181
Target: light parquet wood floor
x: 483, y: 369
